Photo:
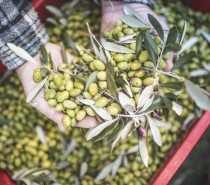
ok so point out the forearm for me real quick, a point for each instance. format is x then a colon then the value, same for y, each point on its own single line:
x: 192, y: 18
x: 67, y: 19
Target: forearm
x: 19, y: 25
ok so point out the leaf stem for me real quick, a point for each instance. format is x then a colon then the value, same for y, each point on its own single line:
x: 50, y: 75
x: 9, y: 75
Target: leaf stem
x: 165, y: 73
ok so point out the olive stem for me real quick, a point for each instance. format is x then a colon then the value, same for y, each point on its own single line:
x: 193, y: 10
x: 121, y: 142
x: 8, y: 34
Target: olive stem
x: 166, y: 73
x: 47, y: 68
x: 159, y: 58
x: 133, y: 115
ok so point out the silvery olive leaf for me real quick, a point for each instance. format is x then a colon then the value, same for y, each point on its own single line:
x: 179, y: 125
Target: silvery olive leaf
x: 161, y: 124
x: 52, y: 21
x: 125, y: 161
x: 188, y: 44
x: 147, y: 104
x: 70, y: 148
x: 127, y: 37
x: 189, y: 118
x: 116, y: 164
x: 54, y: 10
x: 201, y: 99
x: 183, y: 32
x: 128, y: 90
x: 155, y: 131
x: 134, y: 149
x: 108, y: 55
x: 125, y: 102
x: 41, y: 134
x: 21, y: 53
x: 87, y: 101
x: 18, y: 174
x: 115, y: 141
x: 145, y: 95
x: 198, y: 72
x: 34, y: 92
x: 97, y: 130
x: 126, y: 130
x: 144, y: 152
x: 102, y: 113
x: 207, y: 67
x: 104, y: 172
x: 116, y: 48
x: 83, y: 169
x: 63, y: 21
x: 91, y: 79
x: 102, y: 56
x: 61, y: 165
x: 206, y: 35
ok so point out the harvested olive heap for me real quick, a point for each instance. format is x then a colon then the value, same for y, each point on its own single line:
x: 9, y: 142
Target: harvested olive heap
x: 94, y: 155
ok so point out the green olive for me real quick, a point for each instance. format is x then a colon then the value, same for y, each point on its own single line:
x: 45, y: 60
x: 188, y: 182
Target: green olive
x: 102, y: 85
x: 69, y: 85
x: 37, y: 77
x: 135, y: 90
x: 123, y: 66
x: 93, y: 89
x: 57, y: 79
x: 66, y: 120
x: 101, y: 102
x: 75, y: 92
x: 62, y: 66
x: 133, y: 46
x: 99, y: 65
x: 128, y: 31
x: 62, y: 96
x: 68, y: 104
x: 90, y: 111
x: 52, y: 93
x: 52, y: 102
x: 87, y: 95
x: 140, y: 74
x: 128, y: 57
x: 59, y: 107
x: 87, y: 58
x: 149, y: 64
x: 101, y: 75
x: 112, y: 110
x: 92, y: 67
x: 70, y: 113
x: 118, y: 58
x: 79, y: 85
x: 148, y: 81
x: 144, y: 56
x: 118, y: 106
x: 135, y: 66
x: 80, y: 115
x: 136, y: 82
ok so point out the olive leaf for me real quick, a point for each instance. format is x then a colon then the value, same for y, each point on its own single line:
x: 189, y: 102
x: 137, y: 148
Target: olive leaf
x: 52, y: 21
x: 167, y: 102
x: 162, y: 124
x: 127, y: 89
x: 125, y: 102
x: 188, y: 44
x: 87, y: 101
x: 69, y: 42
x: 111, y: 80
x: 206, y: 35
x: 155, y: 106
x: 125, y: 161
x: 134, y: 22
x: 116, y: 48
x: 147, y: 104
x: 81, y: 79
x: 54, y: 10
x: 63, y: 51
x: 83, y: 169
x: 177, y: 108
x: 173, y: 85
x: 134, y: 149
x: 115, y: 141
x: 116, y: 164
x: 155, y: 131
x: 126, y: 130
x: 130, y: 11
x: 63, y: 21
x: 139, y: 40
x: 97, y: 130
x: 151, y: 47
x: 183, y: 32
x: 143, y: 151
x: 44, y: 55
x: 155, y: 23
x: 104, y: 172
x: 21, y: 53
x: 102, y: 113
x: 41, y: 134
x: 63, y: 164
x: 145, y: 95
x: 172, y: 35
x: 183, y: 60
x: 70, y: 148
x: 172, y: 47
x: 198, y: 72
x: 197, y: 95
x: 34, y: 92
x: 102, y: 56
x: 91, y: 79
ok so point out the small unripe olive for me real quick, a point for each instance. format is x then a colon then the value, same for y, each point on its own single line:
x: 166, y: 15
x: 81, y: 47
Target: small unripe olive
x: 124, y: 76
x: 87, y: 58
x: 128, y: 57
x: 46, y: 164
x: 136, y: 82
x: 112, y: 110
x: 57, y: 79
x: 67, y: 76
x: 135, y: 66
x: 135, y: 90
x: 37, y: 76
x: 102, y: 85
x: 75, y: 92
x: 118, y: 106
x: 66, y: 120
x: 106, y: 33
x: 136, y: 98
x: 166, y: 56
x: 52, y: 93
x: 79, y: 85
x: 144, y: 56
x: 61, y: 96
x: 113, y: 63
x: 117, y: 29
x: 50, y: 77
x: 148, y: 81
x: 140, y: 74
x: 70, y: 113
x: 149, y: 64
x: 90, y: 111
x: 52, y: 102
x: 120, y: 34
x: 87, y: 95
x: 68, y: 104
x: 93, y: 89
x: 92, y: 67
x: 80, y: 115
x: 69, y: 85
x: 101, y: 75
x: 118, y: 57
x: 59, y: 107
x: 162, y: 64
x: 128, y: 31
x: 123, y: 66
x: 101, y: 102
x: 133, y: 46
x: 131, y: 73
x: 52, y: 85
x: 158, y: 40
x: 99, y: 65
x: 62, y: 66
x: 47, y: 94
x: 118, y: 23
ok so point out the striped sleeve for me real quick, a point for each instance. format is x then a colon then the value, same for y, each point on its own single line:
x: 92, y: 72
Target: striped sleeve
x: 20, y: 25
x: 146, y: 2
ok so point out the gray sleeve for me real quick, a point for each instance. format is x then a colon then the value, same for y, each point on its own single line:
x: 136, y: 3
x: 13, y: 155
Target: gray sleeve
x: 146, y: 2
x: 20, y: 25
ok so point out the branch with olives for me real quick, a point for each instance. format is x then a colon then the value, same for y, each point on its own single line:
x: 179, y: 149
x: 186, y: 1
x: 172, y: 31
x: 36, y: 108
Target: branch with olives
x: 121, y: 83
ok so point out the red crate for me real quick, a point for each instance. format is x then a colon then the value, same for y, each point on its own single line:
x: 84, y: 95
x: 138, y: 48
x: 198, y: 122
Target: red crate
x: 187, y: 144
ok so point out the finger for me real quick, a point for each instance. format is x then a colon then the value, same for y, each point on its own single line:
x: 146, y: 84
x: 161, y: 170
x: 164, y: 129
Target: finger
x: 41, y: 104
x: 169, y: 62
x: 88, y: 122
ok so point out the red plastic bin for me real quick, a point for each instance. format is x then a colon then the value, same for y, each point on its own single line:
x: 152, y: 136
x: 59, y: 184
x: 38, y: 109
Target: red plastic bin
x: 190, y: 140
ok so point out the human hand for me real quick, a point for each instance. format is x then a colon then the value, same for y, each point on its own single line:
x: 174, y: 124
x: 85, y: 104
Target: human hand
x: 113, y: 11
x: 25, y: 73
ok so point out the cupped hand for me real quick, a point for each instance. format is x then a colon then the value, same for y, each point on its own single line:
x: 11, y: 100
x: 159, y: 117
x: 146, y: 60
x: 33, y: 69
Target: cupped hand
x: 113, y: 11
x: 25, y: 73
